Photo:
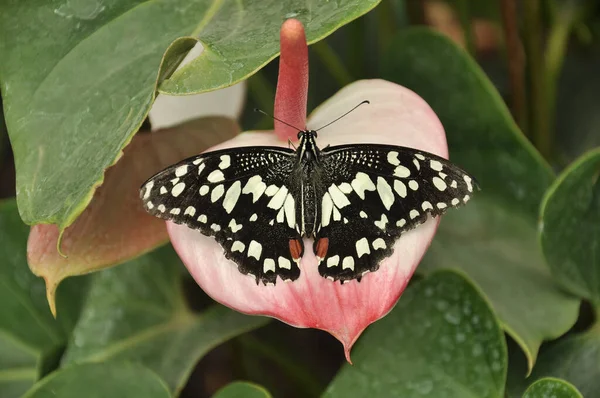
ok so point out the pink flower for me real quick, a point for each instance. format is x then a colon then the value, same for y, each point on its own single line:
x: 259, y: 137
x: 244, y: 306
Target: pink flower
x: 395, y: 116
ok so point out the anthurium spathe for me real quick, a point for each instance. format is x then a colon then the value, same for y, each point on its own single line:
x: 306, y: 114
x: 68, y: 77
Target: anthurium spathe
x: 395, y: 116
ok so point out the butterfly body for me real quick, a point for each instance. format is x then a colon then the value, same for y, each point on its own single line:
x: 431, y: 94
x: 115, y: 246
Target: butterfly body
x: 259, y: 203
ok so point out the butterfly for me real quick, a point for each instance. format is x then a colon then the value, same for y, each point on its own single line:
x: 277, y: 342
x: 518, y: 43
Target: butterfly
x: 354, y: 200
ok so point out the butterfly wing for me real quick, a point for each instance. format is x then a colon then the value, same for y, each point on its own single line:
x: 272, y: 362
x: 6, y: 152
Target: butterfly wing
x: 242, y: 198
x: 373, y: 194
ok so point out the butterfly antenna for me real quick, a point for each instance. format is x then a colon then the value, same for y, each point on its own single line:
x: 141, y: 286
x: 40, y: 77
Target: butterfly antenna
x: 364, y: 102
x: 279, y: 120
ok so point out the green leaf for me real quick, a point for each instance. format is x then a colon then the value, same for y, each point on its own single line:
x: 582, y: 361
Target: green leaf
x: 575, y: 359
x: 570, y: 227
x: 441, y: 340
x: 79, y: 78
x: 550, y: 387
x: 241, y: 389
x: 31, y: 340
x: 137, y: 312
x: 111, y: 379
x: 493, y: 239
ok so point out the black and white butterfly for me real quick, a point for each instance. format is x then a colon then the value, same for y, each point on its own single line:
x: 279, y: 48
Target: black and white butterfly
x: 354, y: 200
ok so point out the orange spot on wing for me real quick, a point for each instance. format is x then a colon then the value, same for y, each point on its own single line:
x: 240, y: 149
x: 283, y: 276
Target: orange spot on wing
x: 322, y: 246
x: 295, y: 249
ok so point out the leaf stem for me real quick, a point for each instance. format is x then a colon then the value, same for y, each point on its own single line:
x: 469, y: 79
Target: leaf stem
x: 386, y: 26
x: 516, y: 62
x: 332, y: 62
x: 464, y: 14
x: 565, y: 20
x: 538, y: 102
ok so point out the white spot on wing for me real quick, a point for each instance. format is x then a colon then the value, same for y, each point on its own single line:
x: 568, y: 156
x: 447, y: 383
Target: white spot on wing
x: 345, y: 187
x: 203, y: 218
x: 363, y: 214
x: 385, y: 193
x: 455, y: 201
x: 439, y: 184
x: 279, y: 198
x: 161, y: 208
x: 338, y: 197
x: 333, y: 261
x: 254, y: 249
x: 379, y: 243
x: 148, y: 188
x: 412, y: 184
x: 234, y: 226
x: 203, y: 190
x: 290, y: 211
x: 361, y: 183
x: 163, y: 190
x: 284, y: 263
x: 200, y: 168
x: 469, y: 184
x: 400, y: 188
x: 190, y: 211
x: 217, y: 193
x: 402, y: 172
x: 253, y: 217
x: 348, y: 263
x: 362, y: 247
x: 426, y: 206
x: 413, y: 214
x: 232, y: 196
x: 181, y: 170
x: 255, y: 186
x: 392, y: 158
x: 435, y: 165
x: 225, y: 162
x: 271, y: 190
x: 215, y: 176
x: 268, y: 265
x: 238, y: 246
x: 178, y: 189
x: 401, y: 222
x: 417, y: 164
x: 382, y: 222
x: 175, y: 211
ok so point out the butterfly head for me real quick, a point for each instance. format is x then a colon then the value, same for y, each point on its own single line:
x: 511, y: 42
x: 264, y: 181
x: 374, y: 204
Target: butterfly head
x: 303, y: 134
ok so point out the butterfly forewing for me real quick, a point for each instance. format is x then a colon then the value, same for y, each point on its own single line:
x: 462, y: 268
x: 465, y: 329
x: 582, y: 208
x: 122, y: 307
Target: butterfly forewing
x: 373, y: 194
x: 240, y: 196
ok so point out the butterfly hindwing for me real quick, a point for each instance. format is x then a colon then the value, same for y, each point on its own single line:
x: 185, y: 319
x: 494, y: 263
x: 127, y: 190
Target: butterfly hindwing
x: 373, y: 194
x: 239, y: 196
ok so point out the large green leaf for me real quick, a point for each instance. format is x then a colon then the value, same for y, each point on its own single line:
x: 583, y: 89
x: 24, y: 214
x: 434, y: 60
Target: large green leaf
x: 493, y: 239
x: 550, y: 387
x: 78, y: 78
x: 137, y: 312
x: 570, y: 227
x: 30, y: 338
x: 111, y: 379
x: 240, y: 389
x: 575, y: 359
x: 441, y: 340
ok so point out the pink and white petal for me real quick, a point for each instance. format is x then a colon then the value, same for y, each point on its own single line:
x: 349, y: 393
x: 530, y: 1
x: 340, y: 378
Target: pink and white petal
x: 395, y: 116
